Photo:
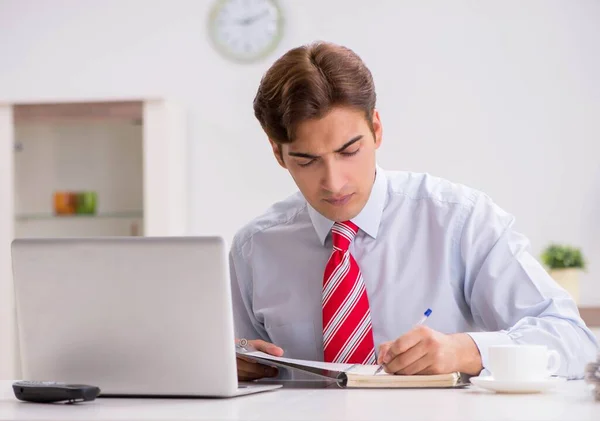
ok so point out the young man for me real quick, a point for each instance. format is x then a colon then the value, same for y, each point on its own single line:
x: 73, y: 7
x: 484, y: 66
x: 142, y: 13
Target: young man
x: 342, y: 270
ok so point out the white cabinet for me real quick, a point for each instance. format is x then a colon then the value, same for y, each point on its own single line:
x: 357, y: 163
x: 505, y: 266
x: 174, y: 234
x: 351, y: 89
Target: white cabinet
x: 130, y: 154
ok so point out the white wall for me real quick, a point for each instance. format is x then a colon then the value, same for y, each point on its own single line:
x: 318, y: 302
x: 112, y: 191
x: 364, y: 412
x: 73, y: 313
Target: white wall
x: 501, y: 95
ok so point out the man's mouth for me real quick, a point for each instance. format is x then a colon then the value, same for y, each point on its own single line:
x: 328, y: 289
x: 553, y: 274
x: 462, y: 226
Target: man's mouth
x: 339, y: 200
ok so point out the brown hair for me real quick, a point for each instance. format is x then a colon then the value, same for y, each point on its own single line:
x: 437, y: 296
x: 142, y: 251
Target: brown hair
x: 306, y: 82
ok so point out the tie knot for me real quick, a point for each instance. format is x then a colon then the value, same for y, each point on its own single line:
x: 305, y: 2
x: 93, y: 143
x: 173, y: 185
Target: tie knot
x: 342, y: 234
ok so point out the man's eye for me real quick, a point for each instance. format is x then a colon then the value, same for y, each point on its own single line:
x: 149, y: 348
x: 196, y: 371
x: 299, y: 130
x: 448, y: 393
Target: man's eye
x: 306, y: 164
x: 350, y: 153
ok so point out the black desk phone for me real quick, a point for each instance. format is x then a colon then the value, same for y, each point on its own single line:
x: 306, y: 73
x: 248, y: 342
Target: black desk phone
x: 50, y: 392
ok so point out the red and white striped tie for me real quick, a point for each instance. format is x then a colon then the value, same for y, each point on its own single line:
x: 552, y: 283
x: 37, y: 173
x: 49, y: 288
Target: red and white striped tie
x: 347, y: 332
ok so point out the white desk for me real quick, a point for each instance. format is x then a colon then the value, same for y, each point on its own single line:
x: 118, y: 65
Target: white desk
x: 571, y: 401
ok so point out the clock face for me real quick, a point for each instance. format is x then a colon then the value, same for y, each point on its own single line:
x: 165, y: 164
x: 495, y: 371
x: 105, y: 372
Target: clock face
x: 245, y: 30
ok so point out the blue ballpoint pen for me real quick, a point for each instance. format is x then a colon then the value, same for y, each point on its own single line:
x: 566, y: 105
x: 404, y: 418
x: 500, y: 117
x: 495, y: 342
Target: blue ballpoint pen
x: 420, y: 322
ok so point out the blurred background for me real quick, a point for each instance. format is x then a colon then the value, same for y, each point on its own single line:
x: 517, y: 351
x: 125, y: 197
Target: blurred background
x: 134, y: 117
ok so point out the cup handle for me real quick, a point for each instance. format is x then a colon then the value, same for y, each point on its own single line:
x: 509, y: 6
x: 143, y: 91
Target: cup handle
x: 553, y: 362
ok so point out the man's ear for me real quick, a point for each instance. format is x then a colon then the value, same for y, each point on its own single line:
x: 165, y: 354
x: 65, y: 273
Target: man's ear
x: 278, y: 152
x: 377, y: 129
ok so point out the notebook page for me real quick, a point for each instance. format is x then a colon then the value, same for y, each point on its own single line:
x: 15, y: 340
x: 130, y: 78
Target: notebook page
x: 366, y: 370
x: 369, y: 370
x: 307, y: 363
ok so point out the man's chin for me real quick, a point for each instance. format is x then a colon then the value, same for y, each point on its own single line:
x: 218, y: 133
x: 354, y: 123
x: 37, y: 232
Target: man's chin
x: 337, y: 214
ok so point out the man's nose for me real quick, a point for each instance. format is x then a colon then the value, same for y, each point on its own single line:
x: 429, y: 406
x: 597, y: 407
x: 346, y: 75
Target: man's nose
x: 333, y: 179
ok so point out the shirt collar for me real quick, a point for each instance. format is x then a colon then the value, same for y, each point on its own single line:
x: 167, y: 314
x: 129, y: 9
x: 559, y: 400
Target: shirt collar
x: 369, y: 217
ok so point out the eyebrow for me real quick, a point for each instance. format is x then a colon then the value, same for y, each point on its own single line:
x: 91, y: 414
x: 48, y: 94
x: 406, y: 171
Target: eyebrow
x: 344, y: 146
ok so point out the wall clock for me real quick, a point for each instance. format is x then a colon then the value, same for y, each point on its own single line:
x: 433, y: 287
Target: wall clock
x: 245, y: 30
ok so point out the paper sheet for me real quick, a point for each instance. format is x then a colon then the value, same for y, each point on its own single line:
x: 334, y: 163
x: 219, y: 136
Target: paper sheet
x: 352, y: 368
x: 366, y: 370
x: 308, y: 363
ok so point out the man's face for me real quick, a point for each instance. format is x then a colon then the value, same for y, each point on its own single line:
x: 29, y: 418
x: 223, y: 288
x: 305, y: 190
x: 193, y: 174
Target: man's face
x: 332, y: 161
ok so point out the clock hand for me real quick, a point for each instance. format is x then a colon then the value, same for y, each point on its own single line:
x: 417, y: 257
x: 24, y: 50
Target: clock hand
x: 252, y: 19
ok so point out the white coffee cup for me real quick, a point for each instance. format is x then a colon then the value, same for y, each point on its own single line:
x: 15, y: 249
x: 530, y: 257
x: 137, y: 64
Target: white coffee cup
x: 522, y: 362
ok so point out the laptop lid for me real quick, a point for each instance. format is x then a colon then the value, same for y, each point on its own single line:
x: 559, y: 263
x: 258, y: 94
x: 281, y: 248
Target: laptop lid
x: 131, y: 315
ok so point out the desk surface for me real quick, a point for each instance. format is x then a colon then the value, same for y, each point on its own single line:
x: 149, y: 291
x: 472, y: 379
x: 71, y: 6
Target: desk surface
x: 570, y: 401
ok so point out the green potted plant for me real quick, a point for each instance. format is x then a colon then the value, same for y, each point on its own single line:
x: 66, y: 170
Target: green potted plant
x: 564, y: 263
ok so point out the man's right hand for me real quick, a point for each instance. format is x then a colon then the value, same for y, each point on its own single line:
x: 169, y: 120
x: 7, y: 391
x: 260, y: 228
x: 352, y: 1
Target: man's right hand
x: 251, y: 370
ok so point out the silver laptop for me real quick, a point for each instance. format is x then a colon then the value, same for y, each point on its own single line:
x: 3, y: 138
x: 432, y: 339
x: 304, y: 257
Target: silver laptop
x: 135, y: 316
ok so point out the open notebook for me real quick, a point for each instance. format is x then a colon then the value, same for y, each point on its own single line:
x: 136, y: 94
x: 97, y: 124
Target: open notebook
x: 356, y: 375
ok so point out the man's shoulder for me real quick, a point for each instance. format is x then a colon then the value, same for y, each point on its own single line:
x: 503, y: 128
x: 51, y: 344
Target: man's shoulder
x: 442, y: 196
x: 417, y: 186
x: 282, y: 212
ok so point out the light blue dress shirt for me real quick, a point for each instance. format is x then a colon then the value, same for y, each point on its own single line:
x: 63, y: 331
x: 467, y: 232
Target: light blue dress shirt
x: 423, y: 242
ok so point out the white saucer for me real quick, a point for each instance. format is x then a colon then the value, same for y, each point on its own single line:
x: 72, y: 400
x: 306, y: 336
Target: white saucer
x: 488, y: 382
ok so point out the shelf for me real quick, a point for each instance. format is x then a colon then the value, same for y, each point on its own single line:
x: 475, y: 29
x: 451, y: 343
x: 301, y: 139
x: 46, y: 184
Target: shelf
x: 79, y: 111
x: 591, y: 316
x: 101, y: 215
